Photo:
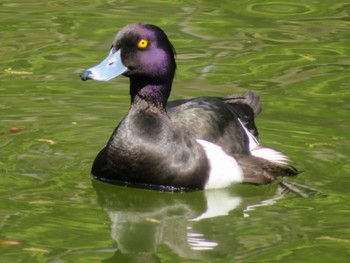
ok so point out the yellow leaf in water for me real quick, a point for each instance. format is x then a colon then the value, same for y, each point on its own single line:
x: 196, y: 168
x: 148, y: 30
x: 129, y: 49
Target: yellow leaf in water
x: 307, y: 57
x: 336, y: 239
x: 48, y: 141
x: 152, y: 220
x: 16, y: 72
x: 319, y: 144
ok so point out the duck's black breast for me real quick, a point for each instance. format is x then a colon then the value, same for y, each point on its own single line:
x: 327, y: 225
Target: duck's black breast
x: 148, y: 149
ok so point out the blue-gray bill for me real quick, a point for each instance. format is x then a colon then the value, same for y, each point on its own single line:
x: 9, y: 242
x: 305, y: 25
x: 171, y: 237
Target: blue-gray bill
x: 109, y: 68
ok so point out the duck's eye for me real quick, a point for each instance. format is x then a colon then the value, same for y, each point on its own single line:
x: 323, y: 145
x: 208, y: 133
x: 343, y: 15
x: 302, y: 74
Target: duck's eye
x: 143, y: 43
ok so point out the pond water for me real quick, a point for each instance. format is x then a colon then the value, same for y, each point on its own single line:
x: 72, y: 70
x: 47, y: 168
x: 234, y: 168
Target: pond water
x: 296, y: 56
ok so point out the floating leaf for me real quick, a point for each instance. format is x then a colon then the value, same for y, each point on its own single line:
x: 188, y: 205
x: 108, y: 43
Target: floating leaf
x: 336, y: 239
x: 320, y: 144
x: 307, y: 57
x: 16, y: 72
x: 48, y: 141
x: 152, y: 220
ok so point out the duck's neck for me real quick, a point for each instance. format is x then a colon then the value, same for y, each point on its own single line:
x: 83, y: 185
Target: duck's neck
x: 155, y: 93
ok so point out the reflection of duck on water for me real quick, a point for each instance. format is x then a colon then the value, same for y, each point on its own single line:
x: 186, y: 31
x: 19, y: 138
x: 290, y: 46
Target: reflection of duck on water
x: 143, y: 220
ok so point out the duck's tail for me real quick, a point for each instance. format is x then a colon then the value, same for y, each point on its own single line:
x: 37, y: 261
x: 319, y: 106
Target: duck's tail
x: 265, y: 165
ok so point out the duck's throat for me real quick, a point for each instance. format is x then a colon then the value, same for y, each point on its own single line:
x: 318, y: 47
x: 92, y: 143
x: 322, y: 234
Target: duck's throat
x: 153, y: 93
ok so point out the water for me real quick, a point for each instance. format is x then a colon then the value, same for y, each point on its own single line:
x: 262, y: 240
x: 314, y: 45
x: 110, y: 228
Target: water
x: 295, y: 55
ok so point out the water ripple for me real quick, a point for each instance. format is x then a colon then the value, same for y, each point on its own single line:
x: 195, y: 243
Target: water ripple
x: 279, y: 9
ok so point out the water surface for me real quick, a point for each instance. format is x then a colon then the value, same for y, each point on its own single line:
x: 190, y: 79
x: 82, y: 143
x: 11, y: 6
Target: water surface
x: 295, y: 55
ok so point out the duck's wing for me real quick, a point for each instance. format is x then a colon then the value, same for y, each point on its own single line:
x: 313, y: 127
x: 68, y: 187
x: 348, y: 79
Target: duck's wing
x: 218, y: 110
x: 250, y: 99
x: 246, y: 107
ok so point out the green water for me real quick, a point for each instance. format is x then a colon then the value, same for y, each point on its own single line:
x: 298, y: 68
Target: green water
x: 296, y: 55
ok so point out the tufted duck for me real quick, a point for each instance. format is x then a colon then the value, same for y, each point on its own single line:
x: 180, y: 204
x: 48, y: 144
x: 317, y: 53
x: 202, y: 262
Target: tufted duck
x: 199, y: 143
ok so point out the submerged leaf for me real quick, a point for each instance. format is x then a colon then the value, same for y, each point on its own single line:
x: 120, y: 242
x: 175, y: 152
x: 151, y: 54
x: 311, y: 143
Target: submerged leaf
x: 10, y: 242
x: 15, y: 129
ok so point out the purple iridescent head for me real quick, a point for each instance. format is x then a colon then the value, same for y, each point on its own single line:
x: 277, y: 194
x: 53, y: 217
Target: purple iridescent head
x: 139, y: 51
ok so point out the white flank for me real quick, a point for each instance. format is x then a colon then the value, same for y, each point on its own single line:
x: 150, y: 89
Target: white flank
x: 264, y: 152
x: 224, y: 169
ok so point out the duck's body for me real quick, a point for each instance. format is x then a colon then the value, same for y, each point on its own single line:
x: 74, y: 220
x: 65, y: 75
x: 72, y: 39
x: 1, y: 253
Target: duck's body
x: 189, y: 144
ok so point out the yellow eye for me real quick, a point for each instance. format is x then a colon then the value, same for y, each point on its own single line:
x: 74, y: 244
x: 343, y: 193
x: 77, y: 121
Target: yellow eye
x: 143, y: 43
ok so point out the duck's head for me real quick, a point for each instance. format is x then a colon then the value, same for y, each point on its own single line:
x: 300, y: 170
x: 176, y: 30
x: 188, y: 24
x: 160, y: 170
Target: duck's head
x: 139, y: 51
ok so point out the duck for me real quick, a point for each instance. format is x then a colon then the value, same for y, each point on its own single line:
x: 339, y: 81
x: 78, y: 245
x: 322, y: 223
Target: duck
x: 184, y: 145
